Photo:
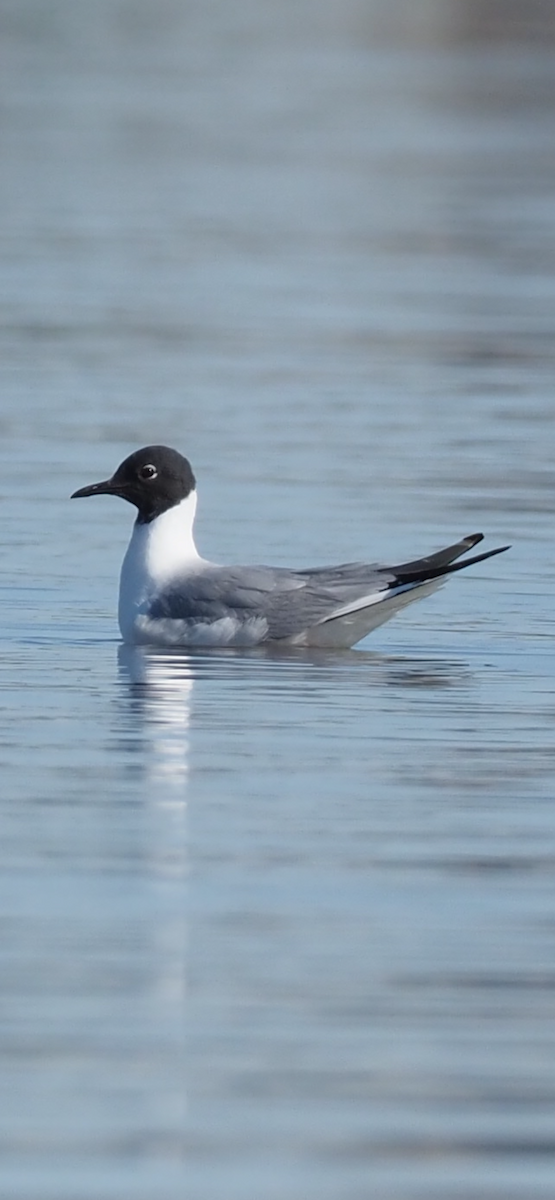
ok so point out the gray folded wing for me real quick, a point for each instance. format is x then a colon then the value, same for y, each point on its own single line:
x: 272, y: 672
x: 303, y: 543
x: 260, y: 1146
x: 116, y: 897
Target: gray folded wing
x: 288, y: 601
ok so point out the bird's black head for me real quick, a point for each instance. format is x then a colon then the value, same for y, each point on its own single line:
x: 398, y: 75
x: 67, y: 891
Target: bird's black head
x: 153, y: 479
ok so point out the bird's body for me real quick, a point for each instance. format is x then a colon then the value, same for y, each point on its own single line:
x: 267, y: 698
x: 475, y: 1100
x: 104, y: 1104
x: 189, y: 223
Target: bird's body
x: 170, y: 596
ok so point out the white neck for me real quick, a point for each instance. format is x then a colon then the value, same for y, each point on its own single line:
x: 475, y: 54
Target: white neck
x: 166, y: 545
x: 157, y: 553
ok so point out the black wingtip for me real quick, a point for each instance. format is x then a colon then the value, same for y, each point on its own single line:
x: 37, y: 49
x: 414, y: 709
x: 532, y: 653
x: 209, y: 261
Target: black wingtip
x: 424, y: 573
x: 476, y: 558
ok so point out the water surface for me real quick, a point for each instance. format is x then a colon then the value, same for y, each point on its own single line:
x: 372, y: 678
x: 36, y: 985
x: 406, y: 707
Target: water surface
x: 277, y: 925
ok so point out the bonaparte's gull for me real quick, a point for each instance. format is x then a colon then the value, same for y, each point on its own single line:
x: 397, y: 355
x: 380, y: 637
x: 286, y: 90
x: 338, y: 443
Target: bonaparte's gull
x: 170, y: 596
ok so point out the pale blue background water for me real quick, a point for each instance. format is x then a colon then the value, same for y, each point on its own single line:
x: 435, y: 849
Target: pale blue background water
x: 279, y: 929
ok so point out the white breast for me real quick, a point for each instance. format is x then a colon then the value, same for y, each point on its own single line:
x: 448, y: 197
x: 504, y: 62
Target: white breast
x: 156, y: 554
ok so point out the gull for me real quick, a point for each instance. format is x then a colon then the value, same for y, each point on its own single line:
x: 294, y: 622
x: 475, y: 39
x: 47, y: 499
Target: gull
x: 171, y: 596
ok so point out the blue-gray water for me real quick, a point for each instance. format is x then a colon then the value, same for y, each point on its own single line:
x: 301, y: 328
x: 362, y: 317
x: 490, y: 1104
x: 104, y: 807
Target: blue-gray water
x: 278, y: 928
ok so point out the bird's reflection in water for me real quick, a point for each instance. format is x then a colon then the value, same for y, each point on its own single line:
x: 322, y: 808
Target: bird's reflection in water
x: 158, y: 690
x: 160, y: 686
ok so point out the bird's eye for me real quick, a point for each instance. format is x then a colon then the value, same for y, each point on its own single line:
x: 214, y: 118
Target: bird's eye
x: 148, y: 472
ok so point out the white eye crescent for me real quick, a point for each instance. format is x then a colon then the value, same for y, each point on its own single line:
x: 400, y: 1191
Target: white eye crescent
x: 148, y: 472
